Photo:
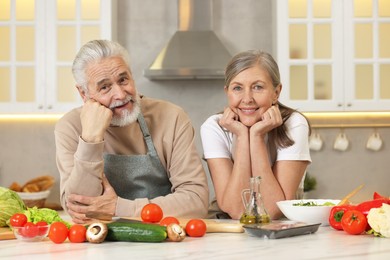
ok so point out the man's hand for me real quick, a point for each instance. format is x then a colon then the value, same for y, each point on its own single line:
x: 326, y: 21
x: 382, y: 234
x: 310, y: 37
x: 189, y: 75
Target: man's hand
x: 95, y: 119
x: 79, y: 205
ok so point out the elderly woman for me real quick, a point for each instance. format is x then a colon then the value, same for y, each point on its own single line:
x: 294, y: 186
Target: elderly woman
x: 255, y: 135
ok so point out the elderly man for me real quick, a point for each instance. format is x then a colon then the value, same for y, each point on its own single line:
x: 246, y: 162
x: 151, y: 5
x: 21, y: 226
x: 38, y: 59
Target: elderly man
x: 121, y: 150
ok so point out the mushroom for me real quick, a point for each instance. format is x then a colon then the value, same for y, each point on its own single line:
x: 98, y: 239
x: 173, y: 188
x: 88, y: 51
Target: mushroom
x: 96, y: 232
x: 175, y: 232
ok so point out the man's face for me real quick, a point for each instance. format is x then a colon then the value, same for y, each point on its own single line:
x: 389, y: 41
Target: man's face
x: 111, y: 84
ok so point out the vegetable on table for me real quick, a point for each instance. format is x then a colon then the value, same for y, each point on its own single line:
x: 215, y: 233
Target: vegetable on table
x: 77, y: 233
x: 354, y: 222
x: 151, y: 213
x: 175, y: 233
x: 196, y: 228
x: 36, y: 214
x: 169, y: 220
x: 379, y: 196
x: 18, y: 220
x: 336, y: 214
x: 96, y: 232
x: 365, y: 206
x: 58, y: 232
x: 379, y: 220
x: 136, y: 232
x: 10, y: 203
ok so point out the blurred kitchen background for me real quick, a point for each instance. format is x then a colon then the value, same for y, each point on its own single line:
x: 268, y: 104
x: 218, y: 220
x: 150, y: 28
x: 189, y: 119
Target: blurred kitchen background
x: 144, y: 27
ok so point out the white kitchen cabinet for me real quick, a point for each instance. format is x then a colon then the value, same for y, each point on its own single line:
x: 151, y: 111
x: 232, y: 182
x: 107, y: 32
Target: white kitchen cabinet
x: 39, y: 39
x: 334, y: 55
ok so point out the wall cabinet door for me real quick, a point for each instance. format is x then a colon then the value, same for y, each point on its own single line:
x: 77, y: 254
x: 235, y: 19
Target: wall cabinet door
x: 39, y: 41
x: 334, y: 55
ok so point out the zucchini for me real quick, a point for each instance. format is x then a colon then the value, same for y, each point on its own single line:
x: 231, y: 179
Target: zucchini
x: 135, y: 232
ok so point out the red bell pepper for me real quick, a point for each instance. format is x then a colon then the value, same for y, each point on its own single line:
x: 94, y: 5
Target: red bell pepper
x: 365, y: 206
x: 336, y: 213
x: 378, y: 196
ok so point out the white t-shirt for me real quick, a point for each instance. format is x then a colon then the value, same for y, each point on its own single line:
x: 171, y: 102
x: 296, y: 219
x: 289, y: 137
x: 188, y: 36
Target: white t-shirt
x: 218, y: 142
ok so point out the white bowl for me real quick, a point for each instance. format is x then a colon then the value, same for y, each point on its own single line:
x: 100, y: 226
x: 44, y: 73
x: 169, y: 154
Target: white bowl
x: 307, y: 214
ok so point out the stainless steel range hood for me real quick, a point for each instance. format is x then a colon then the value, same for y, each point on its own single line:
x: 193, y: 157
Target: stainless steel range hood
x: 194, y: 51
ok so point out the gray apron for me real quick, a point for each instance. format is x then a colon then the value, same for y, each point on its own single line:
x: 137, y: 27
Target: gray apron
x: 138, y: 176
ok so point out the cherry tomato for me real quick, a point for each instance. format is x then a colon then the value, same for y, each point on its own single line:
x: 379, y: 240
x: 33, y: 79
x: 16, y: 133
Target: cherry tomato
x: 151, y: 213
x: 169, y: 220
x: 58, y: 232
x: 77, y: 233
x: 18, y: 220
x: 42, y: 227
x: 196, y: 228
x: 30, y: 230
x: 354, y: 222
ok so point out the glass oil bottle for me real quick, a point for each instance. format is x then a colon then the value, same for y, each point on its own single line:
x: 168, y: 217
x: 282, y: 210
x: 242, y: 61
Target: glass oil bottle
x: 255, y: 211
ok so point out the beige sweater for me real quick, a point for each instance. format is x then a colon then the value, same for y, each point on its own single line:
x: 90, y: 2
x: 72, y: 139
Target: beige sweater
x: 81, y: 164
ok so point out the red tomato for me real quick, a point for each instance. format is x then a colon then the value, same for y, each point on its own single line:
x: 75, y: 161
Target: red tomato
x: 196, y: 228
x: 169, y: 220
x: 77, y: 233
x: 58, y: 232
x: 354, y: 222
x: 42, y: 227
x: 30, y: 230
x: 18, y: 220
x: 151, y: 213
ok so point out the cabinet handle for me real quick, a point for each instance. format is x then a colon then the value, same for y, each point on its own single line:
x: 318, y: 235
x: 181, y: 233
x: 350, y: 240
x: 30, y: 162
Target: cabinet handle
x: 349, y: 104
x: 49, y: 107
x: 40, y: 106
x: 339, y: 105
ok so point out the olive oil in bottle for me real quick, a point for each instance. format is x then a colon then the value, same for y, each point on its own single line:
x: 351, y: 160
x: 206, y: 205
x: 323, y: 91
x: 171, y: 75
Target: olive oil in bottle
x: 255, y: 211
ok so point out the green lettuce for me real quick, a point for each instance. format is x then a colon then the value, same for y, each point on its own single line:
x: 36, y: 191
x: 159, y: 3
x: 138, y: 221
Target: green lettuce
x: 35, y: 214
x: 10, y: 203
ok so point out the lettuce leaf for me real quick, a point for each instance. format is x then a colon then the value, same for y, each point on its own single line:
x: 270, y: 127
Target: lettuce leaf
x: 35, y: 214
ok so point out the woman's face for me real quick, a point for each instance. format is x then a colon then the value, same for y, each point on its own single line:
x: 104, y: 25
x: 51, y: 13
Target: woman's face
x: 250, y: 94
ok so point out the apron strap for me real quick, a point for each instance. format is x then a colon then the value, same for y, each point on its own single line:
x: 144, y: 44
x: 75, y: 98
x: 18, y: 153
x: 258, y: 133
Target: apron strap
x: 146, y: 134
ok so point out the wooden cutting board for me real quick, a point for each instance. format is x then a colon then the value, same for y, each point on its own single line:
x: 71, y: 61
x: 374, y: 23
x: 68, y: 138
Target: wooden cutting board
x: 213, y: 226
x: 6, y: 233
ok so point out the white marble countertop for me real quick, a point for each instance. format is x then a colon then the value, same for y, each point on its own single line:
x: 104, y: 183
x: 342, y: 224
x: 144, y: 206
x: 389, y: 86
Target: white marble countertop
x: 326, y: 243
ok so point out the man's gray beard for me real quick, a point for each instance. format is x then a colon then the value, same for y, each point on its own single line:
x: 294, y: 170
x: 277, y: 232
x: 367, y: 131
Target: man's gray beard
x: 127, y: 117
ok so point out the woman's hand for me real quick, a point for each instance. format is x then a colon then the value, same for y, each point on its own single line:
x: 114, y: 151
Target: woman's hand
x: 230, y: 121
x: 271, y: 119
x: 79, y: 205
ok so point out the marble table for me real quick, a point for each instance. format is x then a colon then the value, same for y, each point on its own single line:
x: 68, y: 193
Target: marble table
x: 326, y: 243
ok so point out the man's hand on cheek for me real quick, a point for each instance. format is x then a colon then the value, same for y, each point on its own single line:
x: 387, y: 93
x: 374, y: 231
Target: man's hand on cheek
x: 95, y: 119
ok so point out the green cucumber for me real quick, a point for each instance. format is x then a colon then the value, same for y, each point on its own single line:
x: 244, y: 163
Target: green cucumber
x: 135, y: 232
